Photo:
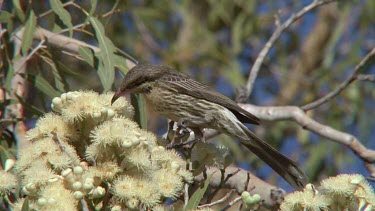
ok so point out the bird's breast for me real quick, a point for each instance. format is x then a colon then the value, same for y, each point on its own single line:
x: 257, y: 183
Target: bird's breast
x: 175, y: 106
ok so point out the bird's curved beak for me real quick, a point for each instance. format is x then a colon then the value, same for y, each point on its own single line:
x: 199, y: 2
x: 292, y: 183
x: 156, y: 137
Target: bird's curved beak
x: 118, y: 94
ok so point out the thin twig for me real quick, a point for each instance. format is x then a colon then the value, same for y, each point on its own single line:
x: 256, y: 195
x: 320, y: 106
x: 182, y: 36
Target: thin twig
x: 223, y: 181
x: 218, y: 201
x: 232, y: 203
x: 353, y: 76
x: 296, y: 114
x: 84, y: 205
x: 366, y: 77
x: 34, y: 51
x: 276, y: 34
x: 50, y: 10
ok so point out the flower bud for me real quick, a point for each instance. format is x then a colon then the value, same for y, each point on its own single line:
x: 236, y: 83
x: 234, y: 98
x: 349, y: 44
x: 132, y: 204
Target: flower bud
x: 9, y: 163
x: 110, y: 113
x: 175, y: 166
x: 98, y: 192
x: 127, y: 144
x: 77, y: 186
x: 245, y: 195
x: 53, y: 179
x: 78, y: 170
x: 69, y: 95
x: 42, y: 201
x: 116, y: 208
x: 51, y: 201
x: 66, y: 172
x: 252, y: 200
x: 78, y: 195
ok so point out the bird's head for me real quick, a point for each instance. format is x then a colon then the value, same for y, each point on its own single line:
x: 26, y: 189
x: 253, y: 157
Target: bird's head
x: 139, y: 79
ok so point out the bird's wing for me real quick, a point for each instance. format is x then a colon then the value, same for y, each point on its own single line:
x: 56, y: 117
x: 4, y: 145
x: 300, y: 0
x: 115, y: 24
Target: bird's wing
x: 189, y: 86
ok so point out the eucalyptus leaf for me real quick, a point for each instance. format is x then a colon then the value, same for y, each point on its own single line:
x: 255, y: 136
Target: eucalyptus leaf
x: 29, y: 32
x: 42, y: 84
x: 29, y: 107
x: 5, y: 16
x: 120, y: 63
x: 19, y: 11
x: 87, y: 55
x: 63, y: 14
x: 105, y: 56
x: 60, y: 82
x: 139, y: 104
x: 198, y: 195
x: 26, y: 205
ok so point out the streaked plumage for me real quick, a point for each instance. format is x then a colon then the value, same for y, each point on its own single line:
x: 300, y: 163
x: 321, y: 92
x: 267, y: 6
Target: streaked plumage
x: 176, y: 96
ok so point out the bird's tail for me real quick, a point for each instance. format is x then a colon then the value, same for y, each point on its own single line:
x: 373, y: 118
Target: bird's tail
x: 285, y: 167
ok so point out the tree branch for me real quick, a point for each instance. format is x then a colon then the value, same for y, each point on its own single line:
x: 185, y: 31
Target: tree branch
x: 242, y: 180
x: 296, y: 114
x: 353, y: 76
x: 366, y: 77
x: 276, y: 34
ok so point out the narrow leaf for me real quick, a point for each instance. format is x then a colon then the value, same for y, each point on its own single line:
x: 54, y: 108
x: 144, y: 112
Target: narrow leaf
x: 43, y: 85
x: 60, y: 82
x: 5, y: 16
x: 9, y: 77
x: 120, y: 63
x: 105, y: 56
x: 94, y: 3
x: 69, y: 71
x: 26, y: 205
x: 29, y: 107
x: 19, y: 11
x: 86, y: 54
x: 139, y: 104
x: 198, y: 195
x: 29, y: 32
x: 63, y: 14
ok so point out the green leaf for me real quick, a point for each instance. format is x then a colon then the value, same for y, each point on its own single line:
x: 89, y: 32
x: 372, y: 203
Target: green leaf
x: 19, y: 12
x: 198, y: 195
x: 139, y: 104
x: 10, y: 75
x: 29, y: 32
x: 237, y: 32
x: 105, y: 56
x: 29, y: 107
x: 120, y: 63
x: 94, y: 3
x: 63, y: 14
x: 87, y: 55
x: 26, y: 205
x: 60, y: 82
x: 69, y: 71
x: 42, y: 84
x: 4, y: 152
x: 5, y: 16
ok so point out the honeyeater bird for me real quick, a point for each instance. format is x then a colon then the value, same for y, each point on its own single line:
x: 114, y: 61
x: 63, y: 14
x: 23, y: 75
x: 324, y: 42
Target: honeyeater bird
x: 177, y: 96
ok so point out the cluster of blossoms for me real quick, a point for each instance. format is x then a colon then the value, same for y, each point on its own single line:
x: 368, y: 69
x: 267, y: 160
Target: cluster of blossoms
x: 343, y: 192
x: 90, y: 150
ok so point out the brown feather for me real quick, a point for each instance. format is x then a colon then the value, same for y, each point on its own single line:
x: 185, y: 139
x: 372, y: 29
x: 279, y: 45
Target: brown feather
x: 189, y: 86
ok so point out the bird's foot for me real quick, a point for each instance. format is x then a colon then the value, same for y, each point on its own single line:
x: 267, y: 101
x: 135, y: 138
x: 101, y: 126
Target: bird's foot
x: 188, y: 142
x: 198, y: 137
x: 180, y: 133
x: 183, y: 131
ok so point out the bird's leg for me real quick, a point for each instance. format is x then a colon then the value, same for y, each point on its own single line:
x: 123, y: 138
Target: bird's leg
x: 182, y: 130
x: 198, y: 136
x: 170, y: 132
x: 182, y: 124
